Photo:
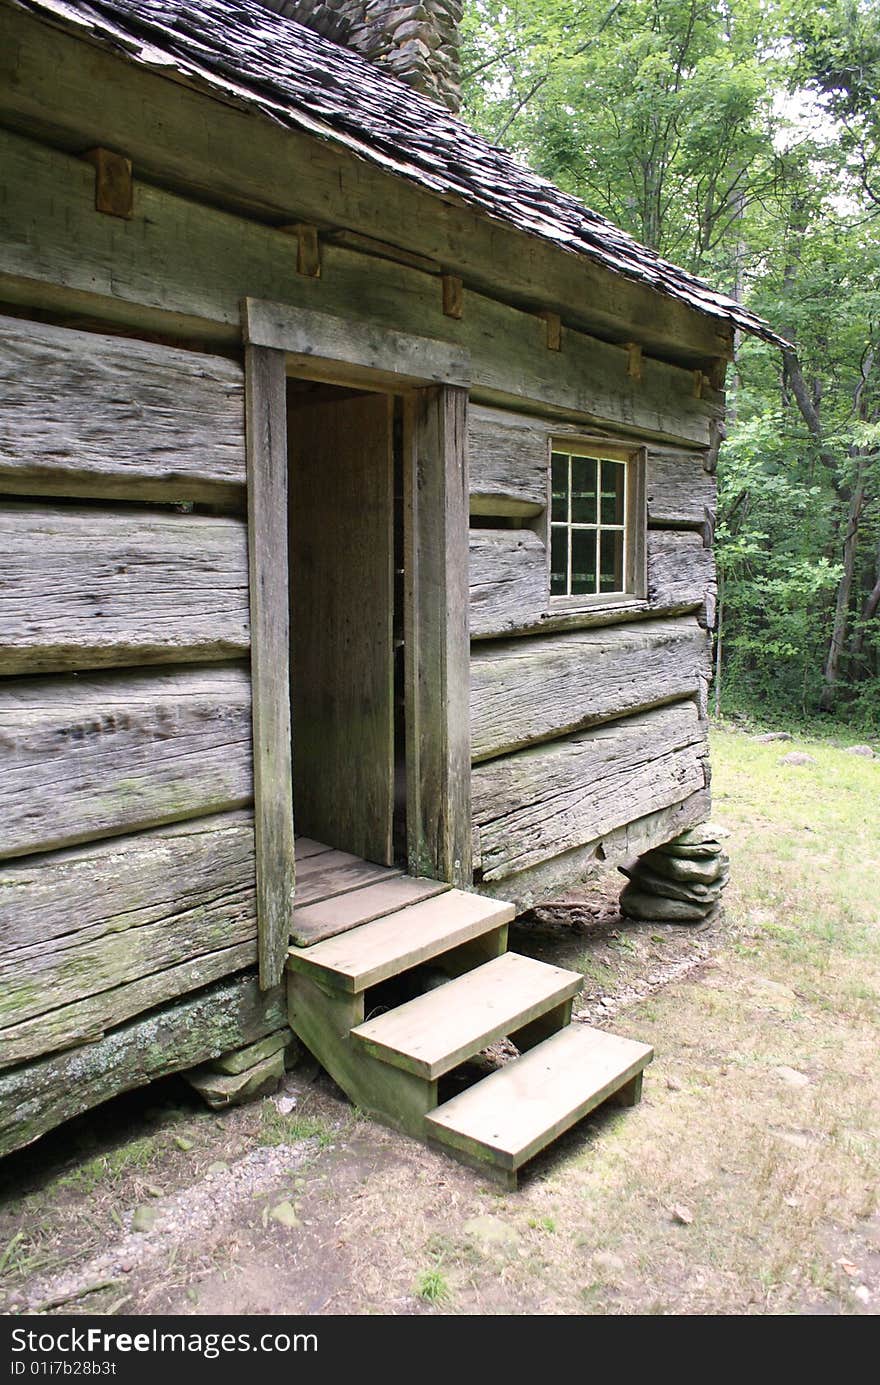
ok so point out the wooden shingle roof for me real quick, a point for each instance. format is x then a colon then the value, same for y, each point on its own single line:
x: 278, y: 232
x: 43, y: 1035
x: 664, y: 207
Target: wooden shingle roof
x: 246, y: 53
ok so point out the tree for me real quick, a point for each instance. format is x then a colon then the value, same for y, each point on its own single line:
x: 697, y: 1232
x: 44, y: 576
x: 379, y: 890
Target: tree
x: 741, y: 139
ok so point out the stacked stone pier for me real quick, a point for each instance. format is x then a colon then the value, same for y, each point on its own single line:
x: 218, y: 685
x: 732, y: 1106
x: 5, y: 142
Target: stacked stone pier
x: 679, y: 882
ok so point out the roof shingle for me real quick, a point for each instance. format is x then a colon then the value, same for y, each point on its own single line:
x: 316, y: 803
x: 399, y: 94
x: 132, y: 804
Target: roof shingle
x: 242, y: 50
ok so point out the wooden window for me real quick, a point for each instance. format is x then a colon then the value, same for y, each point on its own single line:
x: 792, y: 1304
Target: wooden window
x: 596, y: 522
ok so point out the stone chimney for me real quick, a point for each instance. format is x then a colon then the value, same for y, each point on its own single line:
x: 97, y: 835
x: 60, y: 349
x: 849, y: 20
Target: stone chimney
x: 417, y: 41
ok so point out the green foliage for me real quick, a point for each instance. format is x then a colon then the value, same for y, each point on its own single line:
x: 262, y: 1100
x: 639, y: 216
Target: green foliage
x: 740, y: 138
x: 433, y: 1286
x: 773, y: 582
x: 276, y: 1129
x: 651, y: 111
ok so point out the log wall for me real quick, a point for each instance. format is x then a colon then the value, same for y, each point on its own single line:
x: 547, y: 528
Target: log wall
x: 127, y: 857
x: 126, y: 769
x: 588, y: 727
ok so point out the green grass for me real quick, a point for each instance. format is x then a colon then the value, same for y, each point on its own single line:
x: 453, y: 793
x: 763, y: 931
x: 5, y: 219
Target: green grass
x: 107, y: 1169
x: 542, y: 1223
x: 433, y: 1286
x: 14, y: 1252
x: 602, y: 976
x: 806, y: 844
x: 276, y: 1129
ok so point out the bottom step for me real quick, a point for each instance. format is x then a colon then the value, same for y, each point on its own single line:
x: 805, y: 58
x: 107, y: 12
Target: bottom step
x: 512, y: 1115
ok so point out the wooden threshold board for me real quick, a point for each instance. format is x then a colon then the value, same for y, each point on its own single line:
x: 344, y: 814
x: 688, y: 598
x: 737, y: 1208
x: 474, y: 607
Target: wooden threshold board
x: 326, y: 918
x: 364, y: 956
x: 306, y: 847
x: 327, y: 875
x: 432, y: 1034
x: 512, y: 1115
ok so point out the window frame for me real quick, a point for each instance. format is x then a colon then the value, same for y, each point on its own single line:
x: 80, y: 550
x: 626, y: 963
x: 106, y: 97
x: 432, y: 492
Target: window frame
x: 634, y: 521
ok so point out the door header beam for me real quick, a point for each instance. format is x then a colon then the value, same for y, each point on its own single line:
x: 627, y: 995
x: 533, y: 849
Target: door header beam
x: 321, y: 346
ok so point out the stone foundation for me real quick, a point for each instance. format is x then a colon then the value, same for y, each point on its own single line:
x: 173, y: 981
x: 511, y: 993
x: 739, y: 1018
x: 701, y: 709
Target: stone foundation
x: 679, y: 882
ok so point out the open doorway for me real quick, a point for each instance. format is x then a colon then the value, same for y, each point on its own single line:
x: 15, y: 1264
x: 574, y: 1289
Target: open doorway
x: 345, y: 521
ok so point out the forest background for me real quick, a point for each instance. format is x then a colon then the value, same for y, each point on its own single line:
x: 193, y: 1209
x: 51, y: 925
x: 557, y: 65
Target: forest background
x: 740, y: 139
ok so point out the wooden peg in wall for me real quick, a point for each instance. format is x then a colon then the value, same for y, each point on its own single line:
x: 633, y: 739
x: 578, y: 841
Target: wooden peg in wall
x: 717, y: 373
x: 552, y: 329
x: 308, y: 248
x: 453, y: 295
x: 699, y: 379
x: 634, y: 360
x: 114, y: 190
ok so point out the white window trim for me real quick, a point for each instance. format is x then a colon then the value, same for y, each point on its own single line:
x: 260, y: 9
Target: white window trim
x: 634, y: 526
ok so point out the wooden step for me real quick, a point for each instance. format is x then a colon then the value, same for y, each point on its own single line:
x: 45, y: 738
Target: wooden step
x: 312, y: 923
x: 512, y: 1115
x: 437, y: 1031
x: 370, y: 954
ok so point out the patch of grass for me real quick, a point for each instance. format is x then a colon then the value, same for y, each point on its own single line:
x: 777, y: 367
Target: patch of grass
x: 542, y: 1223
x: 433, y: 1286
x: 603, y: 977
x: 276, y: 1129
x: 105, y: 1169
x: 623, y: 944
x: 13, y: 1254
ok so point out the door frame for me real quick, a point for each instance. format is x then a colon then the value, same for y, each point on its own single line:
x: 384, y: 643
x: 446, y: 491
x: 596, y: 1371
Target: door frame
x: 432, y: 377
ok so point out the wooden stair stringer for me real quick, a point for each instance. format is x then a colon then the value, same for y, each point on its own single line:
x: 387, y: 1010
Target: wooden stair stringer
x: 391, y: 1066
x: 323, y: 1018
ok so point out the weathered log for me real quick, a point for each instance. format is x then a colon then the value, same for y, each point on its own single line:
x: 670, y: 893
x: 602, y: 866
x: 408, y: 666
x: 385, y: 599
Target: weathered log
x: 180, y: 136
x: 525, y: 691
x: 509, y: 457
x: 92, y: 757
x: 88, y: 588
x: 509, y: 580
x: 110, y: 418
x: 680, y: 491
x: 91, y: 936
x: 39, y: 1095
x: 547, y: 799
x: 544, y: 880
x: 510, y: 584
x: 195, y: 264
x: 681, y: 574
x: 86, y: 1020
x: 509, y: 464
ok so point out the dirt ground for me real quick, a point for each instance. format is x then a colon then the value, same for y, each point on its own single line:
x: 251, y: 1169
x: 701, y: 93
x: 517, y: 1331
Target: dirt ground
x: 745, y: 1182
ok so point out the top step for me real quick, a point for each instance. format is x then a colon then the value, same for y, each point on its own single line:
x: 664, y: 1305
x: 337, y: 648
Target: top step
x: 364, y: 956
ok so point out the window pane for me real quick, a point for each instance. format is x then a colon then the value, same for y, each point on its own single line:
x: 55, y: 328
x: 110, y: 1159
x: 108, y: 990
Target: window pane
x: 583, y: 490
x: 583, y: 561
x: 558, y: 561
x: 611, y: 552
x: 559, y: 507
x: 612, y: 492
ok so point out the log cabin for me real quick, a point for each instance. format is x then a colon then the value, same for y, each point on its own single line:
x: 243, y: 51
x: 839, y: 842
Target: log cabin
x: 356, y: 574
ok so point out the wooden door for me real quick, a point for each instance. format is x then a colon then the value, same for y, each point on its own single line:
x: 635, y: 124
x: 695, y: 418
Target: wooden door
x: 342, y: 594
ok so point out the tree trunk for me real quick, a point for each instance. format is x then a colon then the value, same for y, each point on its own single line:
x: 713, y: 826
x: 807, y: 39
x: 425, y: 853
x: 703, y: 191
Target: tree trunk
x: 869, y: 611
x: 831, y: 672
x: 719, y: 639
